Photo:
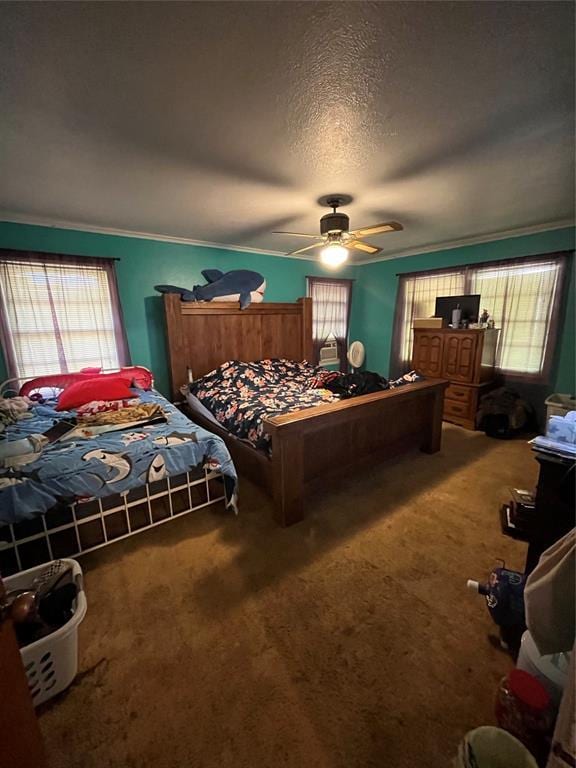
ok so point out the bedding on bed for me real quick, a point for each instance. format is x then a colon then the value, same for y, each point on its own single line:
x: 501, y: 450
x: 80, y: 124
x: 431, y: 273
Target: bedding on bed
x: 241, y: 395
x: 81, y: 467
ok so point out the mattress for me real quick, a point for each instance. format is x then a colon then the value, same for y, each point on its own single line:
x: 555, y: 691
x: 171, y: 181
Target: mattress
x: 111, y: 463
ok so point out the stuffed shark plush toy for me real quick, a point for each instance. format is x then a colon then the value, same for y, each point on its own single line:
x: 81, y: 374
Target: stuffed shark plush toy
x: 238, y: 285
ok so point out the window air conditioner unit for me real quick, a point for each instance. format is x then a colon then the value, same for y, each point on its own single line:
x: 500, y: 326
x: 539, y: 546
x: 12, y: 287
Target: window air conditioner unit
x: 329, y: 354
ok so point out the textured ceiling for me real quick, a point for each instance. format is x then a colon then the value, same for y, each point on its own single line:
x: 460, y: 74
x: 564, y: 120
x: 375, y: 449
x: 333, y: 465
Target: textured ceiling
x: 223, y: 121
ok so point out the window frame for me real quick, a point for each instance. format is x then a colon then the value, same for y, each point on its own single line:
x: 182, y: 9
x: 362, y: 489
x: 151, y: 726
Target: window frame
x: 564, y: 260
x: 64, y: 261
x: 341, y: 343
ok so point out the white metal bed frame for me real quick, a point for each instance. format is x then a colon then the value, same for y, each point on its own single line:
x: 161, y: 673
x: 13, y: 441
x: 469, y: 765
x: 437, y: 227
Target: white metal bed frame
x: 91, y: 524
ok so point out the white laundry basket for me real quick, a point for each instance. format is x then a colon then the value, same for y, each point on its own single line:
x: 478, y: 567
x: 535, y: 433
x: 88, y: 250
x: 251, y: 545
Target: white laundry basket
x: 51, y: 663
x: 559, y: 405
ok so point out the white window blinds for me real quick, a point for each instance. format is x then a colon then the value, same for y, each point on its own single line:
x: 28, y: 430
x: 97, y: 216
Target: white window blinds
x: 521, y: 299
x: 331, y: 300
x: 59, y: 314
x: 522, y: 296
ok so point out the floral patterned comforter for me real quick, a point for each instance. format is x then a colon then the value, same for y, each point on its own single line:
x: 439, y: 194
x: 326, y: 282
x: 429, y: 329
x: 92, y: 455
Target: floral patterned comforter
x: 241, y: 395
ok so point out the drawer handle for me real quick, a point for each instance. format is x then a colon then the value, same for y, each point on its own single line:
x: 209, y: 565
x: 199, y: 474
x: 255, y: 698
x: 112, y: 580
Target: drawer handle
x: 459, y: 395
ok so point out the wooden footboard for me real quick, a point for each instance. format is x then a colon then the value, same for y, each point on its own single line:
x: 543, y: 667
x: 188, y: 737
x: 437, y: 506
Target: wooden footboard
x: 312, y: 446
x: 309, y: 447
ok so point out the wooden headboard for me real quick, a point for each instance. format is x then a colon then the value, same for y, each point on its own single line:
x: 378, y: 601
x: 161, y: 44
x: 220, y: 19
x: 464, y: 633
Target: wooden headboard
x: 203, y: 335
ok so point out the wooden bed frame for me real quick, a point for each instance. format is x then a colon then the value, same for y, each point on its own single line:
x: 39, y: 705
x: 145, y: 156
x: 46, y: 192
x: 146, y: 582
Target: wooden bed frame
x: 311, y: 446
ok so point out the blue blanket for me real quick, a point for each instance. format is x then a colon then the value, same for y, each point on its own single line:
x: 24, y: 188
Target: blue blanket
x: 108, y: 464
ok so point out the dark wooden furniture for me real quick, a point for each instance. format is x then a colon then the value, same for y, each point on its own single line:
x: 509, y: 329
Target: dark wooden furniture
x: 555, y: 505
x: 465, y: 358
x: 21, y: 744
x: 312, y: 446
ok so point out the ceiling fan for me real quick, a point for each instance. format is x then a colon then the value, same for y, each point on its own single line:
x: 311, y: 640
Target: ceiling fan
x: 336, y: 238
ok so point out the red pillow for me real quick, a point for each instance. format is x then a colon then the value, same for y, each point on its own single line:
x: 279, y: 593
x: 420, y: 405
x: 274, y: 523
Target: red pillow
x: 98, y: 388
x: 137, y: 375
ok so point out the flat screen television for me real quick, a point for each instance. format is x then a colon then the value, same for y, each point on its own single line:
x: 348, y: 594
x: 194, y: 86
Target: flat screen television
x: 469, y: 304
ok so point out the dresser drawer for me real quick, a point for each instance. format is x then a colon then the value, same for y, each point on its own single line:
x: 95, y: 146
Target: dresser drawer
x: 459, y: 393
x: 453, y: 408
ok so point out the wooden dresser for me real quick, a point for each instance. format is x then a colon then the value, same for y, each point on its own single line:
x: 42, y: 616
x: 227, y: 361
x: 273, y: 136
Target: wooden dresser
x: 465, y: 358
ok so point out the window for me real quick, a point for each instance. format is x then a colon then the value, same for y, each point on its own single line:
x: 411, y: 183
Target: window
x: 419, y: 300
x: 59, y: 314
x: 331, y: 301
x: 521, y: 295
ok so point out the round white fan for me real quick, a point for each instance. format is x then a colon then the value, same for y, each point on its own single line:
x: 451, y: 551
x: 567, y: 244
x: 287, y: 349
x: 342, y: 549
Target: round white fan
x: 356, y: 354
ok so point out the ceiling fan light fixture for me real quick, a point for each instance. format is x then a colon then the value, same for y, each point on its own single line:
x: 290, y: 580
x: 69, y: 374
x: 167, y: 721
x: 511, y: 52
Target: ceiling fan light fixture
x: 333, y: 255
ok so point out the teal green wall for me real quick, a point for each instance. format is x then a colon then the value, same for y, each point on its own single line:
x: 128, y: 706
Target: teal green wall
x: 145, y: 263
x: 378, y: 283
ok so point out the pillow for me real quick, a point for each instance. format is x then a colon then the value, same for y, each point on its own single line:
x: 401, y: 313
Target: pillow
x: 97, y: 388
x: 137, y: 375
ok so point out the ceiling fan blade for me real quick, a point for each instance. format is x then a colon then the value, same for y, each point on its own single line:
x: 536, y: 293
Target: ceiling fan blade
x: 306, y: 248
x: 360, y: 246
x: 389, y: 226
x: 298, y: 234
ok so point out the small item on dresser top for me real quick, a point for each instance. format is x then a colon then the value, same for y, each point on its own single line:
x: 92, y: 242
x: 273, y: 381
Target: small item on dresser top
x: 484, y: 317
x: 429, y: 322
x: 456, y: 316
